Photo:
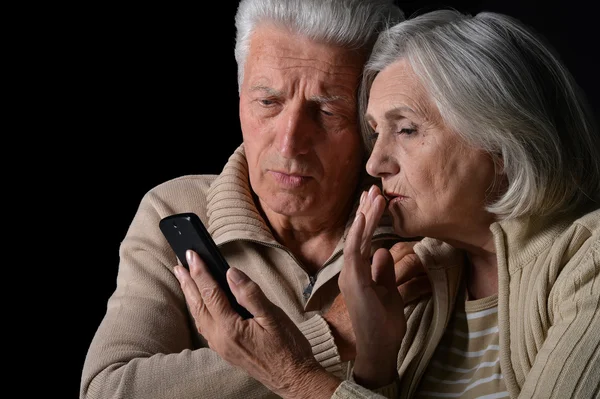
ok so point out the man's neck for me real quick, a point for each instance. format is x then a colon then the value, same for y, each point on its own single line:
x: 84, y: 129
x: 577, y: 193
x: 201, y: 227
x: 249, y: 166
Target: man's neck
x: 312, y: 241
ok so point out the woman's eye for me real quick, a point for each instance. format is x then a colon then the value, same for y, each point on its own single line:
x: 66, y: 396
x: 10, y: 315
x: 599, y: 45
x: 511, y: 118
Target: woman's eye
x: 408, y: 131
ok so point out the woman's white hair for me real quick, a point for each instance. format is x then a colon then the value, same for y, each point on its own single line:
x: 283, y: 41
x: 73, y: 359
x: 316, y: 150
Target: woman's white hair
x: 352, y: 24
x: 501, y: 87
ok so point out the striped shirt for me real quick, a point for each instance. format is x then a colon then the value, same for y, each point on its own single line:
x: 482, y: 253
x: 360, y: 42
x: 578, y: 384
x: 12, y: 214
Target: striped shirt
x: 466, y: 363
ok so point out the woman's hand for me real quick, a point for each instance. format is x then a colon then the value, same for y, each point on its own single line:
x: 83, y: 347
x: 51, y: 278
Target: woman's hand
x: 373, y: 301
x: 269, y: 347
x: 412, y: 283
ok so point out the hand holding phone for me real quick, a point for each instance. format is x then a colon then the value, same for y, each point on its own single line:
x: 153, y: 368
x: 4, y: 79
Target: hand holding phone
x: 186, y: 231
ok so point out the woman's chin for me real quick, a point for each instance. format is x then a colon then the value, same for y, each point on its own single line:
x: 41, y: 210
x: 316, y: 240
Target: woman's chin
x: 401, y: 224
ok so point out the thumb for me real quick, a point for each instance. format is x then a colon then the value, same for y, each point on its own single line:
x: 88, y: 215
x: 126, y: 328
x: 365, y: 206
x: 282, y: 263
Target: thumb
x: 248, y: 293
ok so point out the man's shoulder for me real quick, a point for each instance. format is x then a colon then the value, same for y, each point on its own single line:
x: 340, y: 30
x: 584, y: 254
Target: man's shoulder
x: 187, y: 193
x: 193, y: 183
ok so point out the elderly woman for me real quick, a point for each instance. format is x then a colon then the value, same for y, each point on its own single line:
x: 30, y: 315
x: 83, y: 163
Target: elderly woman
x: 485, y: 146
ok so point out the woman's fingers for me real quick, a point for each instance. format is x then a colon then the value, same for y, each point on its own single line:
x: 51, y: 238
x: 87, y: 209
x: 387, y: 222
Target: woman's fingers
x: 356, y: 268
x: 382, y: 269
x: 372, y: 220
x: 372, y: 206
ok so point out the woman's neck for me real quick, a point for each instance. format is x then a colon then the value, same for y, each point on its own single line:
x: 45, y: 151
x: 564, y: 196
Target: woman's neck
x: 481, y: 275
x: 481, y: 271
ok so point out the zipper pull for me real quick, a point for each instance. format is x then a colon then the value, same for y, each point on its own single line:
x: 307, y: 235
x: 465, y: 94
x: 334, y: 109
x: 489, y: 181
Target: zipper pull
x: 308, y: 290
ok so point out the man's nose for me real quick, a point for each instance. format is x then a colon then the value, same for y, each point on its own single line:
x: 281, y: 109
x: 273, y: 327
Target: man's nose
x: 295, y: 130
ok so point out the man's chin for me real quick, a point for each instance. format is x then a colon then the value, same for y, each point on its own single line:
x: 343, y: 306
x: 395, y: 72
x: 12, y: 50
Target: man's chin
x: 288, y: 204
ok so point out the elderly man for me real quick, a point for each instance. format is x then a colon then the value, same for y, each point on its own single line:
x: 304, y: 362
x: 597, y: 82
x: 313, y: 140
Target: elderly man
x: 279, y: 210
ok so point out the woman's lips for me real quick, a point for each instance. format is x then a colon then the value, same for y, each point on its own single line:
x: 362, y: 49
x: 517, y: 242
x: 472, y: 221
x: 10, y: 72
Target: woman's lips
x: 393, y: 198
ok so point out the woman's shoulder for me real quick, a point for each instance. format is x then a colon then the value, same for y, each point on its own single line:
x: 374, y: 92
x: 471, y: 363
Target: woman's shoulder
x: 579, y: 253
x: 590, y: 221
x: 573, y: 257
x: 581, y: 238
x: 585, y: 232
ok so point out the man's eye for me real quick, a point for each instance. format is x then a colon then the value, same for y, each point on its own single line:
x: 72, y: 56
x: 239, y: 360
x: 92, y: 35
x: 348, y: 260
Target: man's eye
x: 266, y: 102
x: 326, y: 113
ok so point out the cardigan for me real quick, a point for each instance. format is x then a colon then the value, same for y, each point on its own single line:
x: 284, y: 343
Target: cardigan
x: 548, y: 309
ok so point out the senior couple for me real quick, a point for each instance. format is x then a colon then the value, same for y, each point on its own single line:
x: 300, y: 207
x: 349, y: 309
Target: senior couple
x: 413, y: 212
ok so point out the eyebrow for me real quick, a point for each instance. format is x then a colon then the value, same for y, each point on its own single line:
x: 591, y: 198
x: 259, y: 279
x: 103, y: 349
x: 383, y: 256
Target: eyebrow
x: 393, y: 114
x: 317, y: 98
x: 268, y: 90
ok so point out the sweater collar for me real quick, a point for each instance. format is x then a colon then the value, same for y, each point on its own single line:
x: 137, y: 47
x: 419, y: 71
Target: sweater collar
x: 524, y: 238
x: 232, y: 212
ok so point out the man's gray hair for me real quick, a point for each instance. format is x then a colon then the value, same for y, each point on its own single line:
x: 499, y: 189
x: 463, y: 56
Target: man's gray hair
x: 502, y: 88
x: 352, y: 24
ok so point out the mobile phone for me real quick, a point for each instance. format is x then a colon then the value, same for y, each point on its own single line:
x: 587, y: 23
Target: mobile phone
x: 186, y: 231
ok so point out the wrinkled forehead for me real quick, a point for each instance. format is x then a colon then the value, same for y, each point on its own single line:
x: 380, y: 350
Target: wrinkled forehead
x: 397, y: 86
x: 283, y: 64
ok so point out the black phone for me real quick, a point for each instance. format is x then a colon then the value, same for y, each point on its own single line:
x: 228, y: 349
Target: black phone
x: 186, y: 231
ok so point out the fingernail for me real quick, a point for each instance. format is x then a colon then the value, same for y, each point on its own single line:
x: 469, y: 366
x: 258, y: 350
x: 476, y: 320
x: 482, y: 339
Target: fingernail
x: 177, y: 271
x: 237, y: 276
x: 189, y: 256
x: 362, y: 197
x: 372, y: 193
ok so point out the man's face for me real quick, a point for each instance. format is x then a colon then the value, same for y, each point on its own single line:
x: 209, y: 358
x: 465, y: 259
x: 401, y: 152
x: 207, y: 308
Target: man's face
x: 299, y: 123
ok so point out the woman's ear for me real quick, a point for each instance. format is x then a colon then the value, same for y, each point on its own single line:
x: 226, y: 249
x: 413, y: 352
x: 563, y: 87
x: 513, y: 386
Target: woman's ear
x: 498, y: 161
x: 500, y: 183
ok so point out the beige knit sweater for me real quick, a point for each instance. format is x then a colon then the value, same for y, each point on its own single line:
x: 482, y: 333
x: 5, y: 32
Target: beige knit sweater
x: 548, y: 309
x: 147, y: 345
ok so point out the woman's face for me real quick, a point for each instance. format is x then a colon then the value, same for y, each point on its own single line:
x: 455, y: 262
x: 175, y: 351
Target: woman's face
x: 436, y: 183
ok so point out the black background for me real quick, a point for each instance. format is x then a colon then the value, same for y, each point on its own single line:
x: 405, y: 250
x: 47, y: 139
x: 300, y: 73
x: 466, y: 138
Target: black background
x: 154, y: 96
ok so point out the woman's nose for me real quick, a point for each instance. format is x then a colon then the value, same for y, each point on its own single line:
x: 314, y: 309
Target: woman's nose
x: 381, y: 162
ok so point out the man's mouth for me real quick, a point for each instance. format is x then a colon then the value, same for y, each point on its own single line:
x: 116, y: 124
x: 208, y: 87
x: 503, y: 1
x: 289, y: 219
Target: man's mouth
x: 289, y: 179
